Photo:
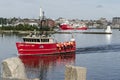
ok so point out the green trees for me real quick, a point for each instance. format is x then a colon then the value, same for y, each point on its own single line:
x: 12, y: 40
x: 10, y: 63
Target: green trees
x: 18, y: 24
x: 25, y: 27
x: 3, y: 21
x: 20, y: 27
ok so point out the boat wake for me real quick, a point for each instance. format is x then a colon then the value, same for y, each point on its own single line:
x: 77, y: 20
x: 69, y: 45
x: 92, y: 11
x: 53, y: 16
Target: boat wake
x: 99, y: 49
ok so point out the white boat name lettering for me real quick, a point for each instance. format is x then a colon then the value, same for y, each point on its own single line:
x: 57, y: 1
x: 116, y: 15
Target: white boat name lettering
x: 41, y: 46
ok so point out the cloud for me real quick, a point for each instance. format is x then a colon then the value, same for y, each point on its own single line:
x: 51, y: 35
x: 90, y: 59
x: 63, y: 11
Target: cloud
x: 99, y: 6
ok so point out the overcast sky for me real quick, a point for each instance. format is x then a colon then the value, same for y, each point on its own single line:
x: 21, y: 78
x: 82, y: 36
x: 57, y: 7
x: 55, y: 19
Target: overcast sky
x: 70, y: 9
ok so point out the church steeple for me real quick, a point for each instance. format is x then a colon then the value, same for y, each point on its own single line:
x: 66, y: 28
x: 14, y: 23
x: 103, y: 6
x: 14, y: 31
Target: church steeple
x: 41, y: 14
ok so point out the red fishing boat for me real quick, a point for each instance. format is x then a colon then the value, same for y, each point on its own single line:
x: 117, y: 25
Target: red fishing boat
x: 65, y: 26
x: 36, y: 45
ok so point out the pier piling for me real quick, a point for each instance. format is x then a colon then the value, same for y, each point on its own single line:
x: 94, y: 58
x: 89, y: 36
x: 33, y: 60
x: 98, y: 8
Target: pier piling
x: 13, y: 69
x: 75, y: 73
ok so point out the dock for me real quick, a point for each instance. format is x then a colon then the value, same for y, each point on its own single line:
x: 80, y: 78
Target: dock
x: 107, y: 31
x: 97, y: 33
x: 85, y: 32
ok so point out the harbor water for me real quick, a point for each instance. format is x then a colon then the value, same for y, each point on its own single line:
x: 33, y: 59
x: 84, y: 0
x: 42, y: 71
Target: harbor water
x: 99, y: 53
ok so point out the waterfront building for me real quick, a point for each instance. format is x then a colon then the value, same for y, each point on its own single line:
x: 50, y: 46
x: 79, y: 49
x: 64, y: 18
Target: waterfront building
x: 116, y: 22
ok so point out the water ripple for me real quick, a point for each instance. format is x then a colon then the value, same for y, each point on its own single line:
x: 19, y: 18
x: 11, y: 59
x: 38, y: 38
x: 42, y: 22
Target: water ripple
x: 99, y: 49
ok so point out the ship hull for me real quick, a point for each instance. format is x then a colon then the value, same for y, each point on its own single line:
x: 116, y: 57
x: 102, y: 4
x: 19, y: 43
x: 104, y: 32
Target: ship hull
x: 37, y: 48
x: 68, y: 27
x: 83, y: 28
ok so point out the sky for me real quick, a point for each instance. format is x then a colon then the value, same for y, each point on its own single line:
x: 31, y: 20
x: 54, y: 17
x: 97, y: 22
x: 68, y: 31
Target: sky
x: 69, y: 9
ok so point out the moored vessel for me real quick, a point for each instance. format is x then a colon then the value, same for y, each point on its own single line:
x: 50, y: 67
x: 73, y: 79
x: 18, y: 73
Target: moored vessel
x: 65, y: 26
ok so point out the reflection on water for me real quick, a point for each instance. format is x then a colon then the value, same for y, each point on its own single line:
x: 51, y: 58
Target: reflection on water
x: 108, y: 38
x: 38, y: 66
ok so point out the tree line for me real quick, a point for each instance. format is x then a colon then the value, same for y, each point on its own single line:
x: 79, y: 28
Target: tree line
x: 22, y: 27
x: 26, y: 27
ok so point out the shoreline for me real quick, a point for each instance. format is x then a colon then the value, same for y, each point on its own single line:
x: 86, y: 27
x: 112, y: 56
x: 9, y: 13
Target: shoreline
x: 22, y: 32
x: 52, y: 32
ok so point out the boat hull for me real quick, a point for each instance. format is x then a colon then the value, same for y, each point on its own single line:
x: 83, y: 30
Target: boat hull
x: 37, y: 48
x: 67, y: 27
x: 83, y: 28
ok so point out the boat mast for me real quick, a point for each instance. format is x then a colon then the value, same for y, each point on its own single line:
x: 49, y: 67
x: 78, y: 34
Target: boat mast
x: 42, y: 18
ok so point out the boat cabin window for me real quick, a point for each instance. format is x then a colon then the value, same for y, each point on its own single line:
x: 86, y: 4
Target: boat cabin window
x: 31, y: 40
x: 37, y: 40
x: 44, y: 40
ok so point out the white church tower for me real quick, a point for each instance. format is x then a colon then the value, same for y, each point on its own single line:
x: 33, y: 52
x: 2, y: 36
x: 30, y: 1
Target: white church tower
x: 41, y: 14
